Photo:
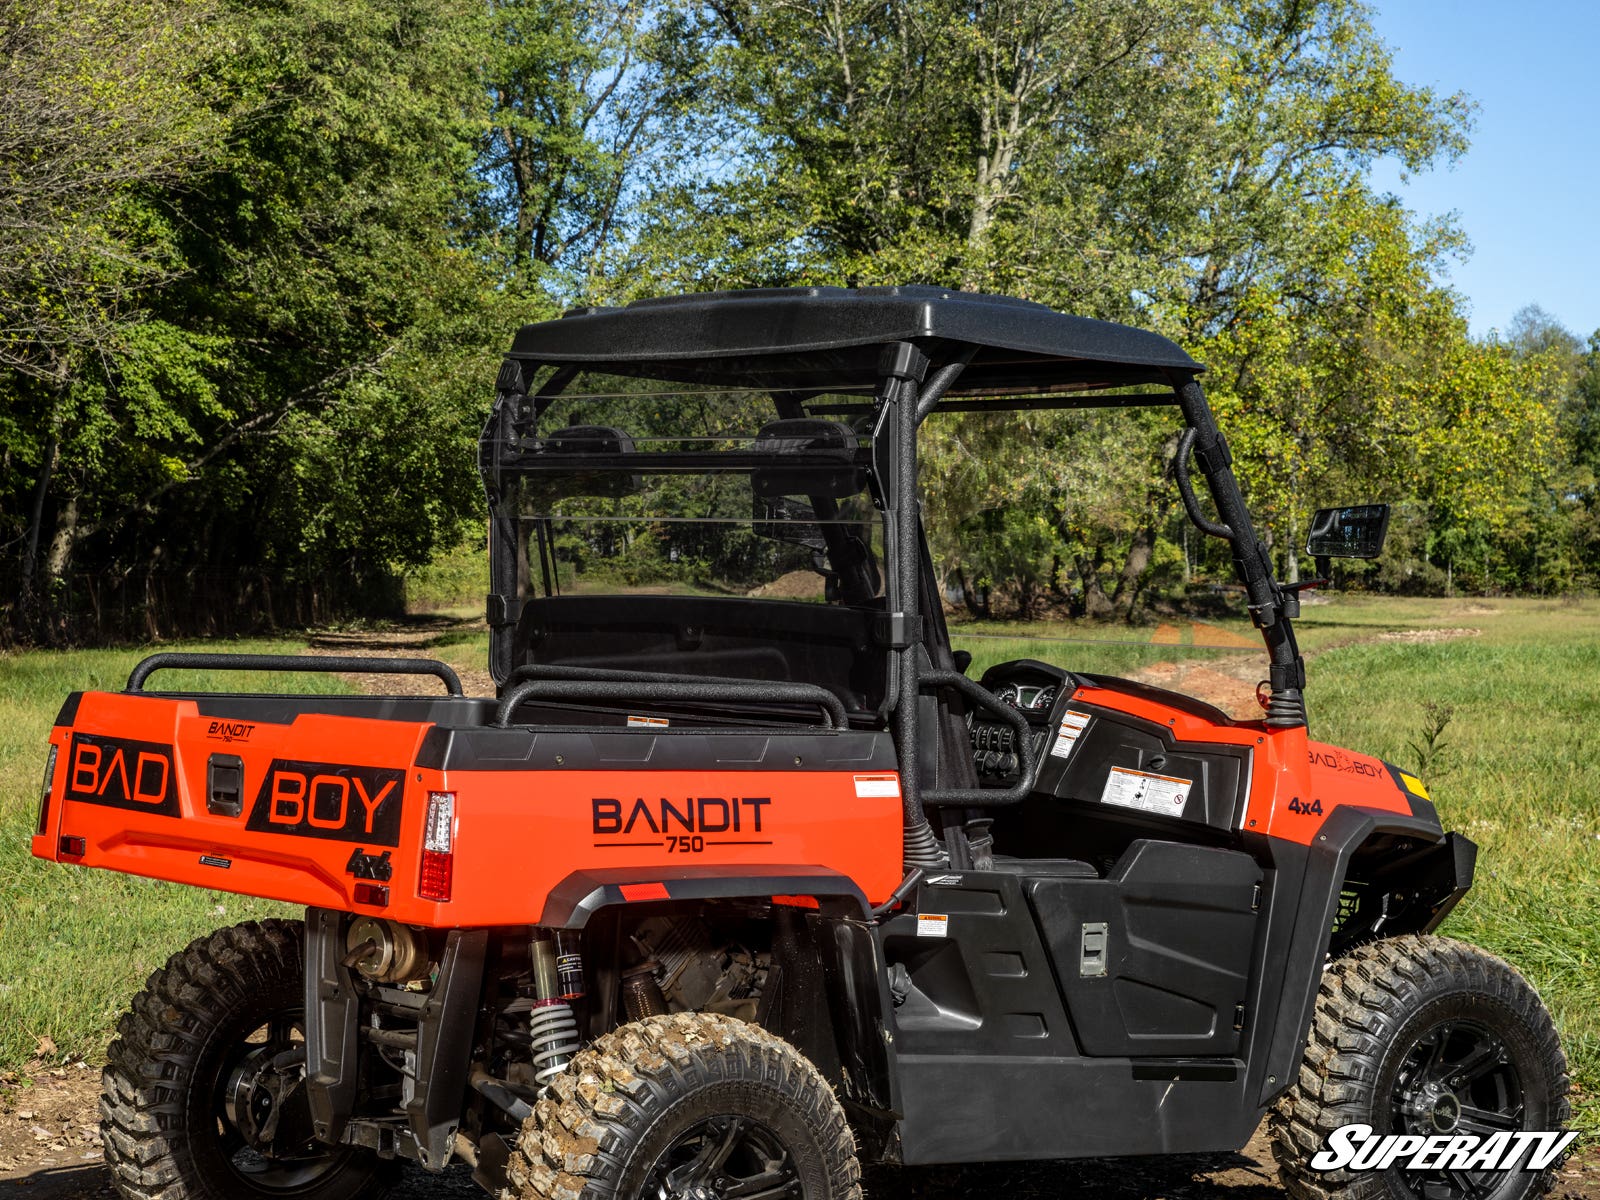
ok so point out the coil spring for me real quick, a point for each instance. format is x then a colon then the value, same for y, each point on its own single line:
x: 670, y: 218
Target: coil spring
x: 554, y: 1033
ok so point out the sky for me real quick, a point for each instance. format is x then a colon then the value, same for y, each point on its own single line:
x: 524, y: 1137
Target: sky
x: 1527, y: 192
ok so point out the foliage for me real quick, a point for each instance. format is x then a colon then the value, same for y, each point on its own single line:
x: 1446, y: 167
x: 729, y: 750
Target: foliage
x: 257, y: 261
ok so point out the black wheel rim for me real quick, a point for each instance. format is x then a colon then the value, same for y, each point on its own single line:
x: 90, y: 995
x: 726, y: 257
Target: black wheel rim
x: 291, y: 1160
x: 725, y: 1158
x: 1458, y: 1077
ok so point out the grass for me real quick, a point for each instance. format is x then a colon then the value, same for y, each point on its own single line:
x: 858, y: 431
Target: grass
x: 75, y: 943
x: 1520, y: 776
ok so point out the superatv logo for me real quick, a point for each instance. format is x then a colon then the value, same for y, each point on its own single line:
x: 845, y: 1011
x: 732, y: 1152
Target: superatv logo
x: 119, y: 773
x: 329, y: 800
x: 1359, y: 1148
x: 681, y: 826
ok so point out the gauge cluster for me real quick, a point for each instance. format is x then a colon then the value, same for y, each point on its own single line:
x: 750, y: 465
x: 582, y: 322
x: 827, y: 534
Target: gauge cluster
x: 1031, y: 688
x: 1027, y: 697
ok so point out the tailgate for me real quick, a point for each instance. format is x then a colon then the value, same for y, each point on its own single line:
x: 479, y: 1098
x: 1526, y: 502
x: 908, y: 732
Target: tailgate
x: 304, y: 808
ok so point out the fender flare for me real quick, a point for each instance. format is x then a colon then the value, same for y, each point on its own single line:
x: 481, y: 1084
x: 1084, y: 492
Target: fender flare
x: 583, y: 893
x: 1326, y: 866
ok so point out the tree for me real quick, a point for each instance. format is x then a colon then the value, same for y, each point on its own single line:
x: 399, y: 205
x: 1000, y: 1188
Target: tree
x: 100, y: 102
x: 587, y: 104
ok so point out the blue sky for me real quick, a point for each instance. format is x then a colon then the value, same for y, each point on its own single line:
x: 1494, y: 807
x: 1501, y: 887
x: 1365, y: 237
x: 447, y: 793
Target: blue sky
x: 1528, y: 191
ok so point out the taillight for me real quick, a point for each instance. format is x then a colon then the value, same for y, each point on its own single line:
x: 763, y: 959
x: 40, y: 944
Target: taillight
x: 44, y: 796
x: 438, y: 842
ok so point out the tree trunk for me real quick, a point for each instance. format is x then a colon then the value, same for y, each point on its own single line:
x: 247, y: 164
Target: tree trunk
x: 27, y: 590
x: 1095, y: 604
x: 1131, y: 579
x: 59, y: 559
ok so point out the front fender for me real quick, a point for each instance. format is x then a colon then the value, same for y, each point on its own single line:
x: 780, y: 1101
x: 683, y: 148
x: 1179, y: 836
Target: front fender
x: 1436, y: 869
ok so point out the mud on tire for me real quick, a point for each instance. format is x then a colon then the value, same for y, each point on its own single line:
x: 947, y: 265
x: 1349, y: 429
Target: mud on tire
x: 685, y: 1101
x: 1412, y: 1034
x: 163, y: 1105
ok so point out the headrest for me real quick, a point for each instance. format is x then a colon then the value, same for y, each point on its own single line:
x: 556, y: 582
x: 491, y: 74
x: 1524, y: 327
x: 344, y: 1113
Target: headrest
x: 587, y: 439
x: 813, y: 438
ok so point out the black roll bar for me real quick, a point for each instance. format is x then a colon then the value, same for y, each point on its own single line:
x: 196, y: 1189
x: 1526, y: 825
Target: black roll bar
x: 365, y: 664
x: 1269, y: 607
x: 986, y: 797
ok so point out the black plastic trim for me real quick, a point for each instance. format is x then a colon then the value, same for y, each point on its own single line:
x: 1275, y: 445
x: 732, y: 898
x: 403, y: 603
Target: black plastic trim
x: 444, y: 1046
x: 69, y: 710
x: 332, y: 1069
x: 616, y: 749
x: 583, y: 893
x: 1327, y: 865
x: 671, y: 690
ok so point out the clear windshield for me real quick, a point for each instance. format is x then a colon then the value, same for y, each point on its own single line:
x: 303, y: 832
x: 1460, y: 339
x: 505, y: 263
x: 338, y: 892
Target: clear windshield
x: 629, y: 486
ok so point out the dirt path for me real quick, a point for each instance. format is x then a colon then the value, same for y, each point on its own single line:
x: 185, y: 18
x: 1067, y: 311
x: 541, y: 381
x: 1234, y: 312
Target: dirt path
x: 420, y: 637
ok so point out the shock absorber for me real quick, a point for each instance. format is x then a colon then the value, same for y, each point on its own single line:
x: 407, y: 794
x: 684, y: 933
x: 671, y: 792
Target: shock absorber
x: 552, y: 1027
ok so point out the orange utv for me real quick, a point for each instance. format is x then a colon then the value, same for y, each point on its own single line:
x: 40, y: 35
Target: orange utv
x: 741, y: 881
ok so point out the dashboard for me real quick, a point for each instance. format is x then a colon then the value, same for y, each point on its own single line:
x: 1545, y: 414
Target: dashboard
x: 1027, y: 697
x: 1030, y: 687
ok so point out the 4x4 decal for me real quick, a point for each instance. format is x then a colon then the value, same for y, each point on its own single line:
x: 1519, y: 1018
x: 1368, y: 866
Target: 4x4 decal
x: 329, y: 800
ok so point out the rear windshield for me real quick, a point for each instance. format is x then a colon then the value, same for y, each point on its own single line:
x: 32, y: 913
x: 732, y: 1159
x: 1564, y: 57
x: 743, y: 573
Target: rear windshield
x: 634, y: 486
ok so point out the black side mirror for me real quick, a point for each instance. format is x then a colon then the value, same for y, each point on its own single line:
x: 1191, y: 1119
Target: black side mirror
x: 1355, y: 532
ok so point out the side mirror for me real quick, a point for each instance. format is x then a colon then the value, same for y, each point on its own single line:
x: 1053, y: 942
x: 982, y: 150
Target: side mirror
x: 1355, y: 532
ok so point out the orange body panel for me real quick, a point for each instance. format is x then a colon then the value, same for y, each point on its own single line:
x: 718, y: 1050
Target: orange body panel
x: 131, y: 781
x: 1295, y: 783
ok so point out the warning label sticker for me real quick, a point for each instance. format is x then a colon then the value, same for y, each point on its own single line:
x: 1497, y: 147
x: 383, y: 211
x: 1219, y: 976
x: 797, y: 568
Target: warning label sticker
x: 648, y: 722
x: 1164, y: 794
x: 1072, y: 724
x: 876, y: 787
x: 932, y: 925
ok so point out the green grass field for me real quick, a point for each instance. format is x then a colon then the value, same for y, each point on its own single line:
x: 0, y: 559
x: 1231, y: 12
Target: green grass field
x: 1519, y: 775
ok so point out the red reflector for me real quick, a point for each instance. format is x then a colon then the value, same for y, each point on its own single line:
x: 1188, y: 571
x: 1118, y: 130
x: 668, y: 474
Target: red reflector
x: 375, y: 894
x: 797, y: 901
x: 436, y: 871
x: 73, y: 847
x: 645, y: 891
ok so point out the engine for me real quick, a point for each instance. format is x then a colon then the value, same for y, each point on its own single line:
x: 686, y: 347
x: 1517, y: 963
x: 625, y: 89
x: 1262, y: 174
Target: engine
x: 685, y: 967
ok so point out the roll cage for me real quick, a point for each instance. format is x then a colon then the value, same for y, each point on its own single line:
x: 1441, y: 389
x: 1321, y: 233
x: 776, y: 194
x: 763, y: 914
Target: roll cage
x: 891, y: 358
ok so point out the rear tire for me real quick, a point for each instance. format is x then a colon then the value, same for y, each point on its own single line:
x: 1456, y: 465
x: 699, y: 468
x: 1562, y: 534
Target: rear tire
x: 1421, y: 1035
x: 180, y: 1072
x: 687, y: 1105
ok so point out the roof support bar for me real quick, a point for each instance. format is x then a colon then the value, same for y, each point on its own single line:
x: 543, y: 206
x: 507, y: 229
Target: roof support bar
x: 1269, y: 607
x: 901, y: 370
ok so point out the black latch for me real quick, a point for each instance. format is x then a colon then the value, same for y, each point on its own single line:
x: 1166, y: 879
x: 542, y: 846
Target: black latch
x: 501, y: 610
x: 895, y: 630
x: 225, y: 785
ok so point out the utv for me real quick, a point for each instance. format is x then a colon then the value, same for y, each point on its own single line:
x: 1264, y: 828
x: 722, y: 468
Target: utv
x: 735, y: 886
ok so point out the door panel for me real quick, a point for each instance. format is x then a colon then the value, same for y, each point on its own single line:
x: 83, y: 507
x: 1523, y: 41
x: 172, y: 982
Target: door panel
x: 1155, y: 958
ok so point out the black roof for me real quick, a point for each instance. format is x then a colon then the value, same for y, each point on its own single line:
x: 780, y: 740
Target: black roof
x: 830, y: 336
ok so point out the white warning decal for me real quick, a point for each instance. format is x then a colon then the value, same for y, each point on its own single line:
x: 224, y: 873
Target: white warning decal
x: 648, y: 722
x: 932, y: 925
x: 1072, y: 724
x: 872, y: 787
x: 1164, y: 794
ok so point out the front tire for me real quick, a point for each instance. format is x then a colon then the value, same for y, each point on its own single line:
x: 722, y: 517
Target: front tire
x: 201, y: 1092
x: 1421, y: 1035
x: 689, y: 1105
